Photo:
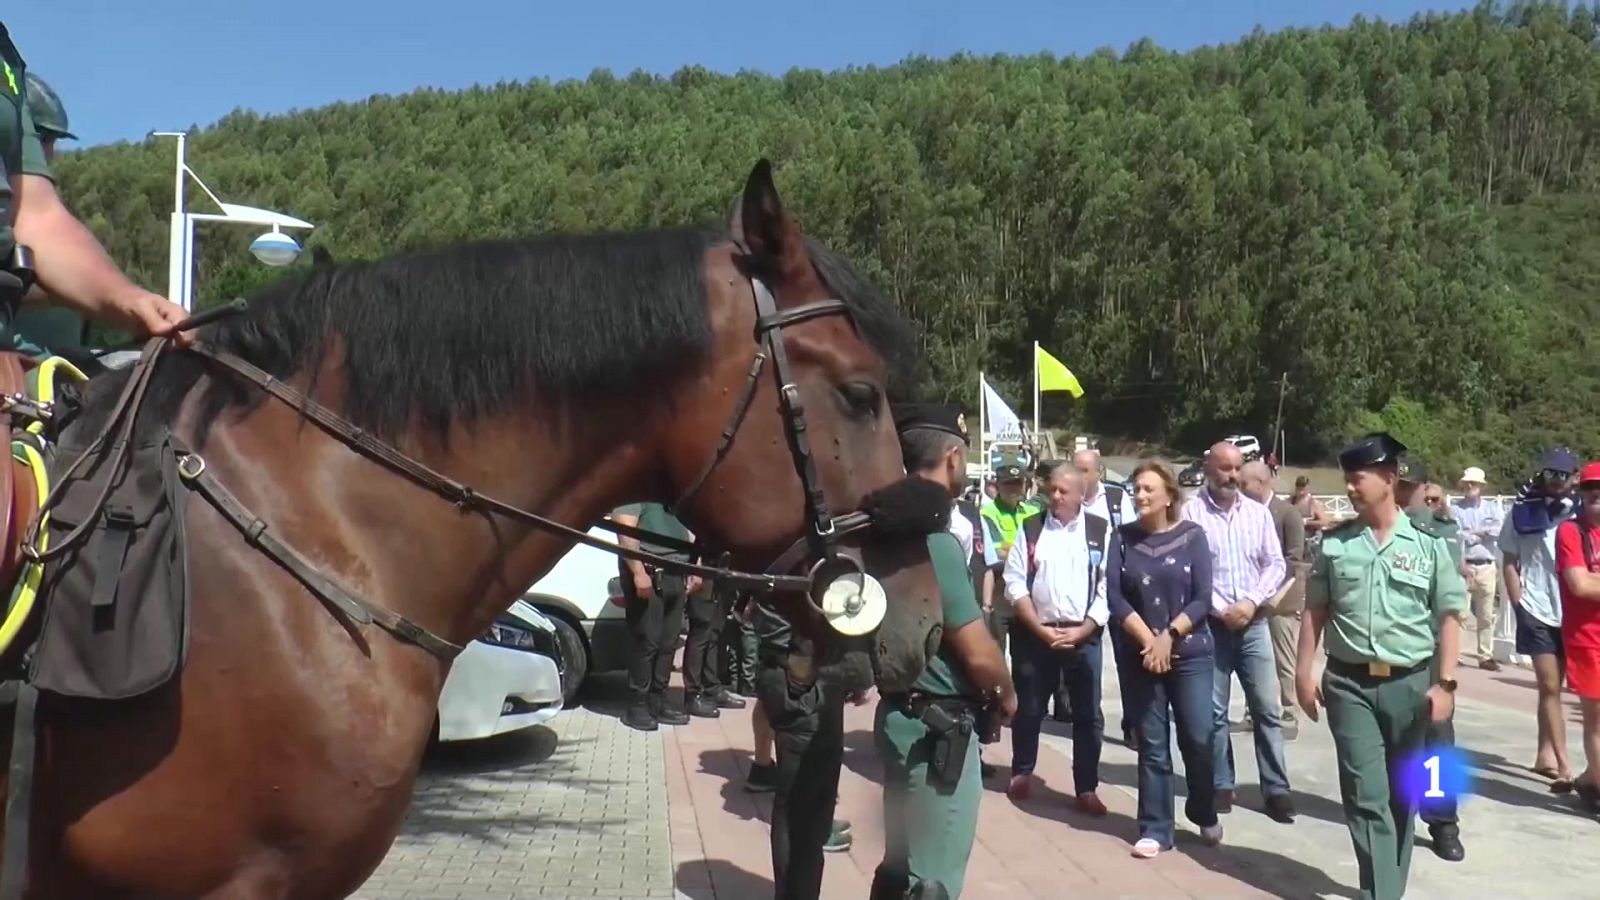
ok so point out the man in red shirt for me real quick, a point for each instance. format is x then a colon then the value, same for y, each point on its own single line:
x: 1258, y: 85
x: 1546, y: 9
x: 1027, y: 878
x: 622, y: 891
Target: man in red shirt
x: 1578, y: 561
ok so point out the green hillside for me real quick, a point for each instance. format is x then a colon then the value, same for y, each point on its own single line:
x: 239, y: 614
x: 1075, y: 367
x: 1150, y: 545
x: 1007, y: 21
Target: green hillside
x: 1392, y: 215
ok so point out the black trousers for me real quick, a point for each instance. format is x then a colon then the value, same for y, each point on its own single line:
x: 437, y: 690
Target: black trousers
x: 654, y: 622
x: 1442, y: 811
x: 808, y: 727
x: 702, y: 670
x: 739, y: 645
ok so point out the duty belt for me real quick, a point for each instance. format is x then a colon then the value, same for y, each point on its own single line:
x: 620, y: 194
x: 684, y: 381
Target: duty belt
x: 916, y: 703
x: 1379, y: 670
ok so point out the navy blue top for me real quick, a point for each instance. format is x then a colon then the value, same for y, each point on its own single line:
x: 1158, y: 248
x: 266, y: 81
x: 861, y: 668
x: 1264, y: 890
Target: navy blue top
x: 1159, y: 576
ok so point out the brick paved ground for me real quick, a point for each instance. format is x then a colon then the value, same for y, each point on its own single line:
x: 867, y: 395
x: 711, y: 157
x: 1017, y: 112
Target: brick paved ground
x: 587, y: 808
x: 1522, y: 841
x: 575, y: 809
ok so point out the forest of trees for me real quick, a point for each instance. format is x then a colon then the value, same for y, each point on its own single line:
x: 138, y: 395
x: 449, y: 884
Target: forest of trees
x: 1399, y: 218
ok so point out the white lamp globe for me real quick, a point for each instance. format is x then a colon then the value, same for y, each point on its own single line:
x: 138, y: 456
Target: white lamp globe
x: 275, y: 248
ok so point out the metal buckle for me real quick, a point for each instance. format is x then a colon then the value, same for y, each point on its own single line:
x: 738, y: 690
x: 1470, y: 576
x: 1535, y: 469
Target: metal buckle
x: 191, y: 466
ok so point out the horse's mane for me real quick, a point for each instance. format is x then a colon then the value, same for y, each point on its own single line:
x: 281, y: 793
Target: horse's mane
x: 445, y: 336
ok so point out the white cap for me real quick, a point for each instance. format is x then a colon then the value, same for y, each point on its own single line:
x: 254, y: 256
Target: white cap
x: 1473, y: 475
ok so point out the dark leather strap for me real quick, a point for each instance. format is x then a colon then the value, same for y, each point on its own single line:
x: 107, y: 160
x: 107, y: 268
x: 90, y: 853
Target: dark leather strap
x: 467, y: 498
x: 19, y: 791
x: 110, y: 550
x: 357, y: 611
x: 725, y: 442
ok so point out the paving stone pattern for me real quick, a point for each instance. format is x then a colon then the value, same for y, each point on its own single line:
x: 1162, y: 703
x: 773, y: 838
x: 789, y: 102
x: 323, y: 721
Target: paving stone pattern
x: 577, y: 809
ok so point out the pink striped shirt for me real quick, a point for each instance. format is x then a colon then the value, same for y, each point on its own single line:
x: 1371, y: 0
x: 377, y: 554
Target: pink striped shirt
x: 1247, y: 560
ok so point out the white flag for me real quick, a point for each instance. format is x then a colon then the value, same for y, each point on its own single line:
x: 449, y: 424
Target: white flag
x: 1002, y: 422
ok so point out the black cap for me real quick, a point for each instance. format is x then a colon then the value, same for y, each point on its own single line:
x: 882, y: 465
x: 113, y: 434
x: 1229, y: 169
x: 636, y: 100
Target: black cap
x: 1008, y: 473
x: 1376, y: 449
x: 933, y: 416
x: 1411, y: 470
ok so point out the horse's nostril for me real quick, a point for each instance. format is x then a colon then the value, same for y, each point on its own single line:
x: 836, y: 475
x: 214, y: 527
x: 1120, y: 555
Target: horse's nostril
x: 935, y: 638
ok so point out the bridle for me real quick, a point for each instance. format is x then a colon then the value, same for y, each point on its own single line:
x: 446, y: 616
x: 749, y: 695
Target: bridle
x: 836, y: 586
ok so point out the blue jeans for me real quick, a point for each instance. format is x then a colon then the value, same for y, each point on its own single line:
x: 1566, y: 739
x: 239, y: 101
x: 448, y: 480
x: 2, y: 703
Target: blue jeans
x: 1186, y: 691
x: 1037, y: 670
x: 1248, y: 654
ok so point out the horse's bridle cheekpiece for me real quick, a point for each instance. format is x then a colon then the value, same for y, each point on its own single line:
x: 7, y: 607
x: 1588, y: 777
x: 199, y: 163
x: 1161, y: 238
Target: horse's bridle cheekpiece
x: 852, y: 602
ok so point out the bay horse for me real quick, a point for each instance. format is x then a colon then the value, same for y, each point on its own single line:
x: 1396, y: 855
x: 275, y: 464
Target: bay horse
x: 565, y: 375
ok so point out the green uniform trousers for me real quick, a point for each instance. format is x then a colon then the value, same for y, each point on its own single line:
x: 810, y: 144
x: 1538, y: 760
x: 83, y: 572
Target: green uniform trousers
x: 1375, y: 724
x: 928, y: 830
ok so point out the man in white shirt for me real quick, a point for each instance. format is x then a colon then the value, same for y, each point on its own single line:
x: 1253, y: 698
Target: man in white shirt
x: 1055, y: 581
x: 1112, y: 503
x: 1108, y: 501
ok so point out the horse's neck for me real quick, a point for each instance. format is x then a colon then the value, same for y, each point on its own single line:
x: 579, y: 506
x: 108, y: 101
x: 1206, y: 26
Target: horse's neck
x: 407, y: 548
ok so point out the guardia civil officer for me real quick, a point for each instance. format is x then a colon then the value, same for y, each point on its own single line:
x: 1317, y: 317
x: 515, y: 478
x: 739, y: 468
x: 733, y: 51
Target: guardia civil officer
x: 66, y: 260
x: 929, y: 737
x: 1390, y: 597
x: 1424, y: 504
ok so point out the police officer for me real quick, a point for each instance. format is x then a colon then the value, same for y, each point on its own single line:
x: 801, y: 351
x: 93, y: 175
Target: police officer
x: 1004, y: 514
x: 807, y: 722
x: 42, y: 327
x: 1390, y: 597
x: 928, y: 738
x: 1425, y: 506
x: 66, y: 259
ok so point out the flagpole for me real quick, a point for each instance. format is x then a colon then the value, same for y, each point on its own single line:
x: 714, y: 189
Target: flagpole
x: 1036, y: 390
x: 983, y: 419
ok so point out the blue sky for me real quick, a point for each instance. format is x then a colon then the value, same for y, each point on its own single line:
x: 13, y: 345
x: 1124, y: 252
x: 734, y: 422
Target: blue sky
x: 126, y: 67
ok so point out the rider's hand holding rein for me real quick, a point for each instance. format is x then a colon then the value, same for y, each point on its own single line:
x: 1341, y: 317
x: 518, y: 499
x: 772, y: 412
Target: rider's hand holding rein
x: 71, y: 265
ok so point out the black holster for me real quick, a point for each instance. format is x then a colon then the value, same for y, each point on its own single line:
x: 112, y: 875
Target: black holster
x: 952, y: 723
x: 16, y: 277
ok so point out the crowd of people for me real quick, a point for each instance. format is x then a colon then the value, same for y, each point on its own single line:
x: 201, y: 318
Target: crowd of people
x: 1360, y: 617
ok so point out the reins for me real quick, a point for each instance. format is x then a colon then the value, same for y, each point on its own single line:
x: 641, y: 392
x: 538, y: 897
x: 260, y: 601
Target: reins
x: 466, y: 497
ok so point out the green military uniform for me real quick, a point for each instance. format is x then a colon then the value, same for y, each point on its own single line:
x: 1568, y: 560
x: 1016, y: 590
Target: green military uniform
x: 1383, y: 607
x: 43, y: 329
x: 1444, y: 824
x: 929, y: 829
x: 21, y: 153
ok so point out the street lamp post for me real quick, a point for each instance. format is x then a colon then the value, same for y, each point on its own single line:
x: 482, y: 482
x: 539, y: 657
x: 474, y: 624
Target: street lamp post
x: 274, y: 248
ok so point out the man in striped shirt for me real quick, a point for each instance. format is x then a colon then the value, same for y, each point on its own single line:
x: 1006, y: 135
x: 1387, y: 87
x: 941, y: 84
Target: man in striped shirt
x: 1246, y: 571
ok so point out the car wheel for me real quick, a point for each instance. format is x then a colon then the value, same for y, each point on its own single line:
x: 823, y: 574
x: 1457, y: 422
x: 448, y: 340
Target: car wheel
x: 574, y: 656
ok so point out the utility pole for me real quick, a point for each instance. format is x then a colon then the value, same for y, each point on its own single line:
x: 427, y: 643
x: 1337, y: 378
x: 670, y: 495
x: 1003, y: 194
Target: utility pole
x: 1277, y: 426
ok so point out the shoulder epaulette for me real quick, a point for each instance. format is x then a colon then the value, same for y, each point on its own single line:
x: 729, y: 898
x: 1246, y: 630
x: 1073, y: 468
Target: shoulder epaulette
x: 1424, y: 521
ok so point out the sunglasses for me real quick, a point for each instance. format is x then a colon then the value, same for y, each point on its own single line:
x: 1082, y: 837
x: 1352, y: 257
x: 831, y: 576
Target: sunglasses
x: 1433, y: 501
x: 1557, y: 474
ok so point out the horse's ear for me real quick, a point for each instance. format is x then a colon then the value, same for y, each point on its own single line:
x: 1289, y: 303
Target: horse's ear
x: 320, y: 256
x: 759, y: 221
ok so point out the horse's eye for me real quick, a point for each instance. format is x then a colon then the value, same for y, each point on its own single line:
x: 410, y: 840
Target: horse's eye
x: 861, y: 398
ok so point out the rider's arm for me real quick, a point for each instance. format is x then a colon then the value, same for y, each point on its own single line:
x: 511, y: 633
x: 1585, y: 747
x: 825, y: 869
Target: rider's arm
x: 631, y: 520
x: 72, y: 266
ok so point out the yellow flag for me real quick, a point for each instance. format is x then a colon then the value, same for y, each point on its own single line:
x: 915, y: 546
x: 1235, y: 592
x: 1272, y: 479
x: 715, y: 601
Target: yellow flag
x: 1054, y: 374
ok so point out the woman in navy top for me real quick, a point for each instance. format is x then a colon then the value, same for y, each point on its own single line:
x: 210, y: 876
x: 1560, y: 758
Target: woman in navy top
x: 1158, y: 585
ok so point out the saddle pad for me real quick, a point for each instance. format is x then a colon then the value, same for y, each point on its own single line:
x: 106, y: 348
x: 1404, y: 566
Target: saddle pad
x: 116, y: 601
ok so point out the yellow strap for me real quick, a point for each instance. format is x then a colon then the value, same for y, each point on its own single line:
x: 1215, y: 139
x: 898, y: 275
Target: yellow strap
x: 45, y: 386
x: 26, y: 591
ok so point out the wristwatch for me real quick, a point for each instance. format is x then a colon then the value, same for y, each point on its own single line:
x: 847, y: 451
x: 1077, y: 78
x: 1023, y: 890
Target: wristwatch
x: 1449, y: 685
